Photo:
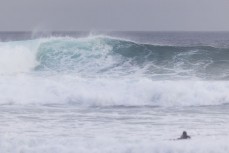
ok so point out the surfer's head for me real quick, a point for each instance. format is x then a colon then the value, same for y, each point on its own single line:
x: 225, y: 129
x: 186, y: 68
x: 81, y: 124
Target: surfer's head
x: 184, y: 133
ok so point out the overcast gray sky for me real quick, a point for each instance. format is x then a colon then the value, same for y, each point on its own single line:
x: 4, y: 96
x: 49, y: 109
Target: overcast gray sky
x: 154, y: 15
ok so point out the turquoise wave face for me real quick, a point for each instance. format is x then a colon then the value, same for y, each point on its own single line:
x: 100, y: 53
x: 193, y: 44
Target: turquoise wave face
x: 116, y: 57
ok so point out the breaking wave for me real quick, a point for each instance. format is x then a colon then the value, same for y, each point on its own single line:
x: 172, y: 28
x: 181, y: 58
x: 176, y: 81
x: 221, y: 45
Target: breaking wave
x: 108, y: 71
x: 114, y: 57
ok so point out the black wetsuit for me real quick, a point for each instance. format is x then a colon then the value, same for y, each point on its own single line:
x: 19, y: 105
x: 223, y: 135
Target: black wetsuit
x: 184, y: 137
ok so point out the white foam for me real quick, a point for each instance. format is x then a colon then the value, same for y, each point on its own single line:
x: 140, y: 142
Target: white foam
x: 112, y: 145
x: 65, y: 89
x: 16, y: 58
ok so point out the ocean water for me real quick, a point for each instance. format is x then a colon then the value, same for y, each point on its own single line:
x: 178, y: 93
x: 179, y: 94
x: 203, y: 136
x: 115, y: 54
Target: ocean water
x: 114, y: 92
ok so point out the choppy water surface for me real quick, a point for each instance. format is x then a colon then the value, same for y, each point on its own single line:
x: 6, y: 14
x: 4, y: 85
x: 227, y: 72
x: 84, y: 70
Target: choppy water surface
x: 117, y: 92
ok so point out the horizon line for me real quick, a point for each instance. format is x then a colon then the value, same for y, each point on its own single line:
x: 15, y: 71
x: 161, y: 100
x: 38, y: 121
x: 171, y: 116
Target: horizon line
x: 29, y: 31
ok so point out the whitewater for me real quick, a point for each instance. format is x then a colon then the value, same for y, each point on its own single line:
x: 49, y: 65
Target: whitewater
x: 120, y: 92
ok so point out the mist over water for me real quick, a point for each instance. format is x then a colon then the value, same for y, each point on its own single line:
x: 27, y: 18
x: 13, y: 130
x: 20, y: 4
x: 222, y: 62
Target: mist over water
x: 110, y: 91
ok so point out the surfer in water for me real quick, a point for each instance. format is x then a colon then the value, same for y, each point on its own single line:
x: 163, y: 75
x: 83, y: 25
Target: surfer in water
x: 184, y: 136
